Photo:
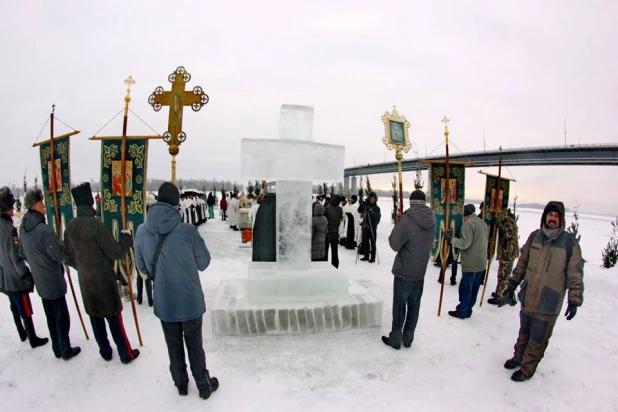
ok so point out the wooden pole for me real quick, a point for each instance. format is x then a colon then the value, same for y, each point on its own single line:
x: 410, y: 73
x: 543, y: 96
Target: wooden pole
x: 399, y: 157
x: 57, y: 220
x: 123, y: 212
x: 445, y: 244
x: 494, y: 229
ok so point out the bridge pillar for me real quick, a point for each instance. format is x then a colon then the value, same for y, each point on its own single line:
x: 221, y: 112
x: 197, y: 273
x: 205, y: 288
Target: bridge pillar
x: 346, y: 186
x: 354, y: 186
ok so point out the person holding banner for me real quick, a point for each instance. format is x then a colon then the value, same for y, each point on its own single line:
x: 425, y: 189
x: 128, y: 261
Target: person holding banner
x: 42, y: 250
x: 15, y: 278
x: 91, y: 249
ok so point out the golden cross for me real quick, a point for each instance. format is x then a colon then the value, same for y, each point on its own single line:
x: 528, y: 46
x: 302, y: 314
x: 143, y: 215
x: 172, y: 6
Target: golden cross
x: 176, y: 99
x: 445, y: 120
x: 129, y: 82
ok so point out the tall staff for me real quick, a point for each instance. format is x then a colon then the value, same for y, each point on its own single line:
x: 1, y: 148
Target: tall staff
x: 445, y: 245
x: 495, y: 198
x: 123, y: 212
x: 57, y: 219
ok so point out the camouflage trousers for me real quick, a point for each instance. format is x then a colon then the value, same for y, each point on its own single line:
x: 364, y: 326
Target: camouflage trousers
x: 504, y: 271
x: 534, y: 332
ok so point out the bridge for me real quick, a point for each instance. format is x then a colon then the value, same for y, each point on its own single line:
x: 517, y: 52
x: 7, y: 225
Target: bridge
x: 572, y: 155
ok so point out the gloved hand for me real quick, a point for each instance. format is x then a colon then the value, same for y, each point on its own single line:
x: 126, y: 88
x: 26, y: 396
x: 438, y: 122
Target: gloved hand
x: 571, y: 311
x: 448, y: 236
x: 27, y: 275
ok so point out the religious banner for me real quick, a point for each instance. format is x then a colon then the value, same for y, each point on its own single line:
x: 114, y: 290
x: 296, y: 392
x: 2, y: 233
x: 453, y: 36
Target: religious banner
x: 437, y: 198
x: 136, y: 155
x: 494, y: 202
x: 62, y: 182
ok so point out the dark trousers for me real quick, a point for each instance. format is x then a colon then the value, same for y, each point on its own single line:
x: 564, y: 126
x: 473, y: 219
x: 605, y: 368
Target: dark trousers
x: 21, y: 304
x: 116, y: 327
x: 224, y: 215
x: 58, y: 323
x: 140, y: 289
x: 535, y: 330
x: 368, y: 246
x: 468, y: 291
x: 406, y: 306
x: 332, y: 240
x: 17, y: 319
x: 189, y: 333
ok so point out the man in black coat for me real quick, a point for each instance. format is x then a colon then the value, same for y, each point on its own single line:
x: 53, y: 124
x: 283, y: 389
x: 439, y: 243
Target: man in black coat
x: 42, y: 249
x: 15, y: 278
x: 334, y: 215
x: 90, y: 248
x: 371, y: 219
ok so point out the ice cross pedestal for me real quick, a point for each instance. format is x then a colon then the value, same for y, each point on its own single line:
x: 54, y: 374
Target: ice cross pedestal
x: 293, y: 294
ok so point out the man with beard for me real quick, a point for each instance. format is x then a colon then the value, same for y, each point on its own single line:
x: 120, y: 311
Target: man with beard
x: 43, y: 251
x: 15, y: 278
x: 550, y: 264
x: 371, y: 219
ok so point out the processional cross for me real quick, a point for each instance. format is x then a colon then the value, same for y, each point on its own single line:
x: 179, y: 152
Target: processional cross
x: 176, y: 99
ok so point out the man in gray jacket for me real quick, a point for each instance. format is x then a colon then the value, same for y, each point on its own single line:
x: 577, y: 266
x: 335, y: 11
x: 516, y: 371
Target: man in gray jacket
x: 472, y: 245
x: 412, y: 239
x: 15, y: 278
x: 43, y: 251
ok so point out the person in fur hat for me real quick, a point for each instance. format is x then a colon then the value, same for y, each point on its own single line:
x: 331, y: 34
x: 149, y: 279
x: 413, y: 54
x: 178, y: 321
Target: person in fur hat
x: 42, y: 249
x: 91, y: 249
x: 15, y: 278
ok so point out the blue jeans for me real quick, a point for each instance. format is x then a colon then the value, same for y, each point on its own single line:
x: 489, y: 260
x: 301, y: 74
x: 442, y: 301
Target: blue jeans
x: 468, y: 290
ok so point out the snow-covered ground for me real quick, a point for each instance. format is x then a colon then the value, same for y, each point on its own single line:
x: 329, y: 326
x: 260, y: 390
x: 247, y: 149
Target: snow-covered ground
x: 453, y: 365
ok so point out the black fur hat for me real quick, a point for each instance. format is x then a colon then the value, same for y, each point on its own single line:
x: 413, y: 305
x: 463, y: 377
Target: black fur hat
x: 7, y: 200
x: 82, y: 195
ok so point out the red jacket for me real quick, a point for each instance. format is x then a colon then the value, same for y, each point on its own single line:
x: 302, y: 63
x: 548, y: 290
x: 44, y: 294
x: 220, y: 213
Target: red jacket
x: 223, y: 204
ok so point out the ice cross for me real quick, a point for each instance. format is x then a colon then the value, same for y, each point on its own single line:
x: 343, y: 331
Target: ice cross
x: 294, y: 161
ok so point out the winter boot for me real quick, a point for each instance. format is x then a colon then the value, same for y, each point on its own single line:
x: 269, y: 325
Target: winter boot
x: 387, y: 341
x: 135, y: 353
x: 34, y: 340
x: 213, y: 385
x: 20, y: 328
x: 453, y: 280
x: 494, y: 301
x: 183, y: 390
x: 512, y: 364
x: 519, y: 376
x: 73, y: 352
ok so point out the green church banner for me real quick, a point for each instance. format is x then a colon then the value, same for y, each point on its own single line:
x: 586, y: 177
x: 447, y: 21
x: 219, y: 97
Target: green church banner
x: 494, y: 203
x: 136, y: 157
x: 62, y: 180
x: 437, y: 198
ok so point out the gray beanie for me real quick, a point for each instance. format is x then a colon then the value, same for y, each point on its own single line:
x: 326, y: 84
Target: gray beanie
x: 32, y: 196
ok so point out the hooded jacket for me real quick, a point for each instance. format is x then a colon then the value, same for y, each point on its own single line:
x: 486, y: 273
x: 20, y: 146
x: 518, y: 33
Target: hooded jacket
x: 318, y: 233
x: 371, y: 210
x: 412, y: 239
x: 178, y: 294
x: 15, y: 277
x: 548, y: 267
x: 91, y: 248
x: 42, y: 249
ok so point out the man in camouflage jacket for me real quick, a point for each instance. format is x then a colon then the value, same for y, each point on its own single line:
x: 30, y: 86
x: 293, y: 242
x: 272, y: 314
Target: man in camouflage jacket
x: 508, y: 251
x: 550, y: 264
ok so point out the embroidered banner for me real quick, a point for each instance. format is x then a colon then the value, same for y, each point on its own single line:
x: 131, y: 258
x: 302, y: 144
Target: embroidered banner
x: 494, y: 204
x: 136, y: 157
x: 63, y: 180
x: 437, y: 198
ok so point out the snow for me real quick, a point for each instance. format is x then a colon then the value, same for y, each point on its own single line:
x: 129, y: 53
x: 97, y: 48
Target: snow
x: 453, y: 365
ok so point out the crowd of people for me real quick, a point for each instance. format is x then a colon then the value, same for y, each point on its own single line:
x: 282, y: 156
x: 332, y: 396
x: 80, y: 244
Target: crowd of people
x: 170, y: 253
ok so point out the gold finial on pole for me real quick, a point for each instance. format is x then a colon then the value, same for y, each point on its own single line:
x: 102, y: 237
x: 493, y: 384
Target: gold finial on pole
x: 129, y: 82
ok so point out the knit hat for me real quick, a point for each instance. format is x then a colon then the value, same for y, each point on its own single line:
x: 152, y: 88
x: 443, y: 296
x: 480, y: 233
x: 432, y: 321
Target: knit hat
x: 168, y: 193
x: 418, y: 195
x: 82, y: 195
x: 7, y: 200
x: 469, y: 209
x: 32, y: 197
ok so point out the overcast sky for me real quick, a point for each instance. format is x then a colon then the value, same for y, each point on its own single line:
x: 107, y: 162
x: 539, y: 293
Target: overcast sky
x: 515, y: 69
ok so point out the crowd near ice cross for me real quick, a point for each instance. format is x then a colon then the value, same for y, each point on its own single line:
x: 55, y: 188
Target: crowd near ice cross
x: 170, y: 253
